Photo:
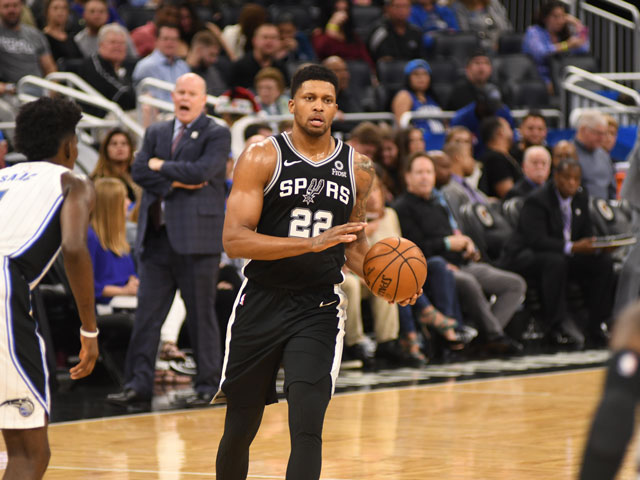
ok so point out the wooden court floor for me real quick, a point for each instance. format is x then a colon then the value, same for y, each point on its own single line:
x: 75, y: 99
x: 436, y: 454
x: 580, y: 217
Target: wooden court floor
x: 530, y: 427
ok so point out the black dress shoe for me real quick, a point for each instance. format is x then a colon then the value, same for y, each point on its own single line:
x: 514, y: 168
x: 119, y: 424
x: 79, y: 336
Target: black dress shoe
x: 197, y: 400
x: 127, y: 397
x: 503, y: 346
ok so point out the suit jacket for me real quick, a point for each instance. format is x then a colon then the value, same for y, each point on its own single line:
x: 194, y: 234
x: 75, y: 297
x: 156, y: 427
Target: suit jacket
x: 540, y: 224
x: 193, y: 218
x: 522, y: 188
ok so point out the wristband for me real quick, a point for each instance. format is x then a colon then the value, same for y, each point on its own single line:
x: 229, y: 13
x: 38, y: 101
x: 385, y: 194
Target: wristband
x: 332, y: 27
x: 84, y: 333
x: 447, y: 243
x: 564, y: 46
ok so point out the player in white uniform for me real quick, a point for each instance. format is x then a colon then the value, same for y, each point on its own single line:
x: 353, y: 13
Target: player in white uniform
x: 44, y: 209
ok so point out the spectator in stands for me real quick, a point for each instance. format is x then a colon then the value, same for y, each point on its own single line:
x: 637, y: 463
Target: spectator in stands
x: 24, y: 50
x: 189, y: 24
x: 77, y: 11
x: 463, y: 135
x: 409, y: 140
x: 532, y: 131
x: 394, y: 38
x: 145, y: 36
x: 365, y: 139
x: 236, y: 103
x: 61, y: 43
x: 553, y: 243
x: 561, y: 150
x: 338, y: 36
x: 95, y: 17
x: 417, y: 96
x: 390, y: 169
x: 536, y: 167
x: 238, y: 37
x: 500, y: 170
x: 114, y: 272
x: 266, y: 43
x: 108, y: 71
x: 269, y: 87
x: 425, y: 220
x: 555, y: 32
x: 348, y: 99
x: 488, y: 18
x: 163, y: 63
x: 203, y: 58
x: 477, y: 73
x: 611, y: 137
x: 430, y: 18
x: 115, y: 160
x: 460, y: 190
x: 488, y: 103
x: 598, y: 175
x: 295, y: 46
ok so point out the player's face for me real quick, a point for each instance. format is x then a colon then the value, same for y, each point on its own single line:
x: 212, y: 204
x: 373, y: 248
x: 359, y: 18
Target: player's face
x: 189, y: 97
x: 314, y: 107
x: 71, y: 151
x: 421, y: 178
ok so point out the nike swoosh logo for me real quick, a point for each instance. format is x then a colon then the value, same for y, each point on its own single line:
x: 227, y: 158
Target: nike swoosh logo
x: 287, y: 163
x: 322, y: 304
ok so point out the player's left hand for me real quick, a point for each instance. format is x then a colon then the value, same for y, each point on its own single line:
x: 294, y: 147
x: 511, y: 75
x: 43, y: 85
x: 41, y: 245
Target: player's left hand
x: 88, y: 357
x: 410, y: 301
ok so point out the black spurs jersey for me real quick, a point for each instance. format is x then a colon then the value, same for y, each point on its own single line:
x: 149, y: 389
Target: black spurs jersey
x: 303, y: 199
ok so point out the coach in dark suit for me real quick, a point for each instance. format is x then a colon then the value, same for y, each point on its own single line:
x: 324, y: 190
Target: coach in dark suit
x: 181, y: 167
x: 553, y: 243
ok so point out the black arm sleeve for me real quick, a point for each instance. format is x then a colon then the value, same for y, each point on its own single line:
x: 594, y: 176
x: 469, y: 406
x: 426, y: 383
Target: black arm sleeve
x: 612, y: 426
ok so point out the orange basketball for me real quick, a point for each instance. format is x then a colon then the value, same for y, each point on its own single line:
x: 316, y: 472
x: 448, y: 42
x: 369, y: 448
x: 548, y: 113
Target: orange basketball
x: 395, y: 269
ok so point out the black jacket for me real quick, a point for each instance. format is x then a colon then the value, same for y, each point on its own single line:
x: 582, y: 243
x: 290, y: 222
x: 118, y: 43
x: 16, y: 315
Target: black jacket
x: 101, y: 75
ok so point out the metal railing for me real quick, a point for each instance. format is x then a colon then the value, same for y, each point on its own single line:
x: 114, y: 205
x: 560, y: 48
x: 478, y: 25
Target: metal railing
x: 28, y: 82
x: 407, y: 117
x: 614, y: 33
x: 577, y: 93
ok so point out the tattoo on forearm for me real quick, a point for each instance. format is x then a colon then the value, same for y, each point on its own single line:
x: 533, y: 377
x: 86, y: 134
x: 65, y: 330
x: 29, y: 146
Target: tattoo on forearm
x: 365, y: 173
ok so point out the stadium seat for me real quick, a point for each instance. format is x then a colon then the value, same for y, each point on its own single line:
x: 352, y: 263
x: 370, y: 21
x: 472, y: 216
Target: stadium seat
x: 391, y: 76
x: 364, y: 18
x: 608, y: 218
x: 526, y: 94
x: 511, y: 210
x: 456, y: 45
x: 510, y: 43
x: 515, y: 68
x: 360, y: 74
x: 305, y: 17
x: 134, y: 17
x: 558, y: 64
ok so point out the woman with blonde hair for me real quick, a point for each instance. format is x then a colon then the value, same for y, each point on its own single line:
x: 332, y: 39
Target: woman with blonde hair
x: 113, y: 268
x: 114, y: 161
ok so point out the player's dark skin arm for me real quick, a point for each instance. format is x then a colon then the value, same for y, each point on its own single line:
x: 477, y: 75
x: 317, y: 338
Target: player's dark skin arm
x: 357, y: 250
x: 253, y: 172
x: 74, y: 221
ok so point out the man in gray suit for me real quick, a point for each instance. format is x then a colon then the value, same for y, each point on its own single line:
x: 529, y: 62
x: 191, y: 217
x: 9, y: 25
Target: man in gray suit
x: 181, y: 167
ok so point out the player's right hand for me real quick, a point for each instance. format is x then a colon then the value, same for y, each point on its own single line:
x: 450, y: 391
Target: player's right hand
x: 345, y: 233
x: 88, y: 357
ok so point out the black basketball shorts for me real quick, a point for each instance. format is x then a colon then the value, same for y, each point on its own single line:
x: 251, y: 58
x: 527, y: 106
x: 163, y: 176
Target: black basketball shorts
x: 269, y: 327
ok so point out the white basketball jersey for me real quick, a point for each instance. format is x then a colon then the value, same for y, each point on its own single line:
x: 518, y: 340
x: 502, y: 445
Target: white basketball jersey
x: 30, y: 201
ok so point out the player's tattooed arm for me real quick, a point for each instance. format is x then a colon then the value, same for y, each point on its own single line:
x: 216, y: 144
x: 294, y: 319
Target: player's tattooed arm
x: 365, y: 175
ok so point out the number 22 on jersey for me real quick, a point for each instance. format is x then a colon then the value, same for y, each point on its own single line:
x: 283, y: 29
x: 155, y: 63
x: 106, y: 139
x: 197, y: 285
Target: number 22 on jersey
x: 305, y: 223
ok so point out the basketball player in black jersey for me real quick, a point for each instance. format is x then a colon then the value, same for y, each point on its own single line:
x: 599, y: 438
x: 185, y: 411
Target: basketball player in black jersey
x: 614, y: 419
x: 296, y: 209
x: 45, y: 133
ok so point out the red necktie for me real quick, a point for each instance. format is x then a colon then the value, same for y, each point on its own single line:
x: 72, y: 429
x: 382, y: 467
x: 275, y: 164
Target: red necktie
x: 176, y: 140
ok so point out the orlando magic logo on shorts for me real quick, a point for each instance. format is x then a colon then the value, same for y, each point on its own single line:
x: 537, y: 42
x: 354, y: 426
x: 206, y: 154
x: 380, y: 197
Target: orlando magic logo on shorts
x: 24, y: 405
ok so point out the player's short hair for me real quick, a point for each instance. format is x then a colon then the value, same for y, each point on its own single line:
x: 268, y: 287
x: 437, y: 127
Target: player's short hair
x: 313, y: 72
x: 42, y: 126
